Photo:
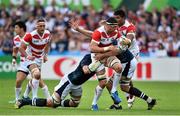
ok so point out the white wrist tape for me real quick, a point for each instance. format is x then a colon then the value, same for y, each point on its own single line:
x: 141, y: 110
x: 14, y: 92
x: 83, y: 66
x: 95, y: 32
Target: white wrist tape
x: 94, y: 65
x: 106, y: 49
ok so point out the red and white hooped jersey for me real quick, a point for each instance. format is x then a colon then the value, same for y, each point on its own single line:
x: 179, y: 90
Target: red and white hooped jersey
x: 102, y: 38
x: 124, y: 30
x: 17, y: 43
x: 36, y: 43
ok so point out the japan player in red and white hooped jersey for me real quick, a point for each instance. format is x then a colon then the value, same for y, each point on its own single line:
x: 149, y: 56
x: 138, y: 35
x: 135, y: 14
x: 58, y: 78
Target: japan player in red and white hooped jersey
x: 22, y: 71
x: 35, y: 49
x: 128, y: 30
x: 102, y: 41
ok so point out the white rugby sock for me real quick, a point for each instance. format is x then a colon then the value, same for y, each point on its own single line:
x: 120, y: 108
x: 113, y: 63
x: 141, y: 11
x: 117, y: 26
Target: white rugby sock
x: 116, y: 78
x: 35, y: 85
x: 28, y: 89
x: 98, y: 92
x: 46, y: 92
x: 17, y: 92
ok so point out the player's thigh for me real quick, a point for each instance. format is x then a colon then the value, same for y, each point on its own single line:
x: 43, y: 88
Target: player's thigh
x: 63, y: 88
x: 127, y: 74
x: 33, y: 66
x: 23, y: 67
x: 129, y: 69
x: 35, y: 71
x: 20, y: 77
x: 111, y: 61
x: 41, y: 83
x: 76, y: 93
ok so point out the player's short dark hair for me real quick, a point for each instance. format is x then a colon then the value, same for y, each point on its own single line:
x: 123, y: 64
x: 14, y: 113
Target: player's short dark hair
x: 120, y: 13
x: 21, y: 24
x: 41, y: 19
x: 111, y: 21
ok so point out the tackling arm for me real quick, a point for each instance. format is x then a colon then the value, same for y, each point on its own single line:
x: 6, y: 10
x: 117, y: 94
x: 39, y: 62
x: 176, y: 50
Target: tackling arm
x: 113, y: 52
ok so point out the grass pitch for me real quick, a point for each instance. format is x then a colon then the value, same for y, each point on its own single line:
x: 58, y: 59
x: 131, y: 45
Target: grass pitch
x: 166, y: 93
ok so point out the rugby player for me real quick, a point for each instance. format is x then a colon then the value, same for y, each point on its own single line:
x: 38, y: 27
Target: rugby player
x: 102, y: 40
x: 34, y: 48
x: 22, y: 72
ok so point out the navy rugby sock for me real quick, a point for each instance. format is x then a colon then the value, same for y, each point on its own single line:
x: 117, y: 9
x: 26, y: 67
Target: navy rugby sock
x: 66, y: 103
x: 138, y: 93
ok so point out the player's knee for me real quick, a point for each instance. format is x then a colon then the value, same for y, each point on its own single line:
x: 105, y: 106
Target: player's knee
x: 118, y: 68
x: 115, y: 64
x: 36, y: 73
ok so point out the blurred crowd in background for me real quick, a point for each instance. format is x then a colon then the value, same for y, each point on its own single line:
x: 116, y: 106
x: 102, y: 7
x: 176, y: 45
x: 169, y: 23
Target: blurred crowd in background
x: 157, y: 32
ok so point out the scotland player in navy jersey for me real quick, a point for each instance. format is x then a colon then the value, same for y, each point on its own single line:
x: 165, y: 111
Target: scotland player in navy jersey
x: 69, y: 84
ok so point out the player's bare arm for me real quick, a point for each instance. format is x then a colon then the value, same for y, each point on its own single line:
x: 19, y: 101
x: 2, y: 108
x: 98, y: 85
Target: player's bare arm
x: 23, y: 52
x: 113, y: 52
x: 14, y: 55
x: 22, y: 49
x: 130, y: 35
x: 46, y: 51
x: 96, y: 49
x: 86, y: 69
x: 75, y: 25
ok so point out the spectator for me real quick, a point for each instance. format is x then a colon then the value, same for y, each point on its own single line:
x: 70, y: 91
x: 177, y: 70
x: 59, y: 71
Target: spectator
x: 157, y: 31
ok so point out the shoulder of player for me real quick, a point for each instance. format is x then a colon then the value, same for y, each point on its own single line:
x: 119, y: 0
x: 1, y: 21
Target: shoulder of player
x: 16, y: 39
x: 47, y: 32
x: 28, y: 35
x: 100, y: 29
x: 97, y: 32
